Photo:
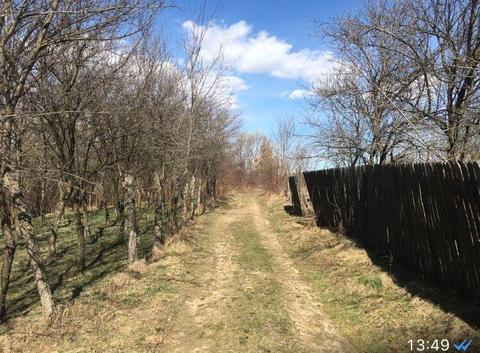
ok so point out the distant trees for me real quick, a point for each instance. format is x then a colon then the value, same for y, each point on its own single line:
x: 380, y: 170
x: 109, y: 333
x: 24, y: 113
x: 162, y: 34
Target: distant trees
x: 267, y: 167
x: 286, y: 148
x: 95, y: 114
x: 259, y: 162
x: 244, y: 153
x: 406, y: 85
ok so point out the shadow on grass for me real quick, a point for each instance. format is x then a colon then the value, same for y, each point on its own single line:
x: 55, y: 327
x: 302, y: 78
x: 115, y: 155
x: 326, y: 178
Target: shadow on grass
x: 104, y: 254
x: 292, y: 210
x: 436, y: 293
x: 466, y: 309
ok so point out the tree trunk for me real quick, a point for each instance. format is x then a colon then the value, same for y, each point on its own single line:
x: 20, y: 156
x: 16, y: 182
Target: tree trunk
x: 199, y: 197
x: 9, y: 252
x: 203, y: 198
x: 174, y: 205
x: 131, y: 221
x: 42, y: 203
x: 120, y: 209
x: 159, y: 227
x: 25, y: 230
x: 192, y: 197
x: 107, y: 213
x: 214, y: 186
x: 185, y: 203
x: 87, y: 229
x: 212, y: 190
x: 59, y: 214
x: 452, y: 149
x: 80, y: 238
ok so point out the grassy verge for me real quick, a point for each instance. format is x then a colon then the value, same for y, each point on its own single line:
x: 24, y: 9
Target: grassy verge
x: 126, y: 311
x: 367, y: 303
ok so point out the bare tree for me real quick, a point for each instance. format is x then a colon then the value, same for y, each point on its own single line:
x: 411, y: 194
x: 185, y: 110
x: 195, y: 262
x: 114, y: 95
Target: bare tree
x: 284, y: 140
x: 408, y: 84
x: 27, y: 31
x: 95, y: 109
x: 364, y: 122
x: 448, y: 60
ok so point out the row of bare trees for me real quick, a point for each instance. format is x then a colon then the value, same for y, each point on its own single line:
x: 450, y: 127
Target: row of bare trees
x: 405, y: 86
x: 95, y: 114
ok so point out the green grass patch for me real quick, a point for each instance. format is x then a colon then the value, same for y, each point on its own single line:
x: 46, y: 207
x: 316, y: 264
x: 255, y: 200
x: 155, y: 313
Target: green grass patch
x: 371, y: 281
x: 253, y: 256
x: 104, y: 256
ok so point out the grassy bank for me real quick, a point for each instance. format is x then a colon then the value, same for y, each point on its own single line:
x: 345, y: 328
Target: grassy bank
x: 376, y: 310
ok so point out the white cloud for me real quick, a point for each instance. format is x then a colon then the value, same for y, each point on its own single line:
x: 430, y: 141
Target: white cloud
x: 248, y: 52
x: 229, y: 86
x: 221, y: 89
x: 299, y: 94
x: 233, y: 84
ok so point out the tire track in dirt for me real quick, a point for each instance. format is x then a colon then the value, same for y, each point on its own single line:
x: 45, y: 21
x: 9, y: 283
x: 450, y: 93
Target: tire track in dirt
x: 197, y: 328
x: 315, y: 330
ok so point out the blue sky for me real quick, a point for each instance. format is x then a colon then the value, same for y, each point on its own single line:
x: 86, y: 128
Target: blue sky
x: 270, y: 48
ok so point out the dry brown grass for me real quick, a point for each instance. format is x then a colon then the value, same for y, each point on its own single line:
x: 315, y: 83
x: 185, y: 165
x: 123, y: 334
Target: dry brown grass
x: 376, y: 309
x: 218, y: 286
x: 126, y: 312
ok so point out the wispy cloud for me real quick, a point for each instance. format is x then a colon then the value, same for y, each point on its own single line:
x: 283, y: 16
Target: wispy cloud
x: 231, y: 86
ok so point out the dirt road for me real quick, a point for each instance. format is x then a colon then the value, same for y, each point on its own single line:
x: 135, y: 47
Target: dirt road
x: 253, y: 299
x: 228, y: 286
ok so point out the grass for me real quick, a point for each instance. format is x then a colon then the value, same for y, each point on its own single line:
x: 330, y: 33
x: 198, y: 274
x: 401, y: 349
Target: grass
x: 117, y: 311
x: 104, y: 256
x: 364, y: 301
x: 261, y: 320
x: 372, y: 281
x: 242, y: 310
x: 253, y: 256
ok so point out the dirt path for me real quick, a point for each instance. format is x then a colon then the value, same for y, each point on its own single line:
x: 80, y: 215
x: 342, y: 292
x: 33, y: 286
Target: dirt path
x: 208, y: 322
x: 229, y: 287
x: 194, y: 329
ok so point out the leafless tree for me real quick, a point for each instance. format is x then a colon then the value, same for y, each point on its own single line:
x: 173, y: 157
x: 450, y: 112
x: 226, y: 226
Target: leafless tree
x: 28, y: 31
x: 406, y: 87
x: 363, y: 122
x: 285, y: 147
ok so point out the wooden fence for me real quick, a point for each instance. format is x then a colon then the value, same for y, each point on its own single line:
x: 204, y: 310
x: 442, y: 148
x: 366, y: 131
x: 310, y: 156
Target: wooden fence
x: 301, y: 205
x: 295, y: 196
x: 426, y: 216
